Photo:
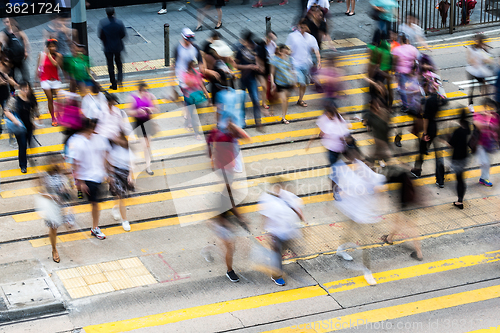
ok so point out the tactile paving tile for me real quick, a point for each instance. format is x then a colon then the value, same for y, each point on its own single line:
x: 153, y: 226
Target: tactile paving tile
x: 107, y: 277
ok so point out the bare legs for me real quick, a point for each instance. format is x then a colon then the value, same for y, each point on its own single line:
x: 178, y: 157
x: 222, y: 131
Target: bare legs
x: 202, y: 12
x: 350, y: 4
x: 283, y: 96
x: 95, y: 214
x: 53, y: 241
x: 50, y: 103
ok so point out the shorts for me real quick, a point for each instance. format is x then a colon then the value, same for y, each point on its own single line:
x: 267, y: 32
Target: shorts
x: 50, y: 84
x: 284, y: 88
x: 139, y: 124
x: 303, y: 76
x: 94, y: 191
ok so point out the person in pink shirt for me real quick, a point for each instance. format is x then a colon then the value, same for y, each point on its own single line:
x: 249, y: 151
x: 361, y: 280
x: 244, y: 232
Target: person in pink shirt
x: 404, y: 60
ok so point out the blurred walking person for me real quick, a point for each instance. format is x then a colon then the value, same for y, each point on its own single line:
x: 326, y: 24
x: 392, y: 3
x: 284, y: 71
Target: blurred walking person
x: 55, y: 193
x: 405, y: 57
x: 486, y: 122
x: 282, y: 211
x: 302, y: 44
x: 458, y: 142
x: 16, y: 46
x: 111, y: 32
x: 282, y: 78
x: 142, y: 106
x: 333, y: 133
x: 120, y: 177
x: 222, y: 152
x: 49, y: 63
x: 479, y: 63
x: 246, y: 62
x: 20, y: 111
x: 89, y: 151
x: 202, y: 12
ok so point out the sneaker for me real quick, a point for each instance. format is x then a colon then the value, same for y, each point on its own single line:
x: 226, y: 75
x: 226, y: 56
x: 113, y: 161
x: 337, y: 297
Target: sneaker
x: 336, y: 194
x: 404, y: 109
x: 370, y: 279
x: 162, y: 11
x: 80, y: 195
x: 416, y: 173
x: 471, y: 108
x: 232, y: 276
x: 115, y: 211
x: 381, y: 163
x: 97, y: 233
x: 485, y: 182
x: 126, y: 225
x: 23, y: 170
x: 344, y: 255
x: 284, y: 2
x: 440, y: 185
x: 149, y: 171
x: 279, y: 281
x: 257, y: 5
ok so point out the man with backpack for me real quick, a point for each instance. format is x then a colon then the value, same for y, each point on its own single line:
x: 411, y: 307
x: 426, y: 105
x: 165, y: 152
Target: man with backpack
x: 15, y: 46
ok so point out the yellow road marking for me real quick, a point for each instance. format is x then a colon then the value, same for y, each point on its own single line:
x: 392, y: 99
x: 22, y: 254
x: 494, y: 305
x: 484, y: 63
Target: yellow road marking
x: 253, y: 302
x: 414, y: 271
x: 487, y: 330
x: 394, y: 312
x: 313, y: 291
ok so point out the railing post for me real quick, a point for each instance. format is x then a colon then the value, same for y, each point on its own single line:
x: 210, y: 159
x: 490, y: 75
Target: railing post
x: 166, y: 39
x: 268, y: 24
x: 452, y: 17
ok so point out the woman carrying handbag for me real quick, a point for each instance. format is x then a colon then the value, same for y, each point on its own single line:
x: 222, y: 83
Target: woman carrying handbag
x: 20, y: 113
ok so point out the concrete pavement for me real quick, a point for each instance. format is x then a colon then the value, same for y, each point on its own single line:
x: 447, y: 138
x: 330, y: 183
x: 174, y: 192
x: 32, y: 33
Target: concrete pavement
x: 173, y: 252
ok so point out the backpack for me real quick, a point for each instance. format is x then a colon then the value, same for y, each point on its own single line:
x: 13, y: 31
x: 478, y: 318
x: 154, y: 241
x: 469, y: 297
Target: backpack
x: 14, y: 48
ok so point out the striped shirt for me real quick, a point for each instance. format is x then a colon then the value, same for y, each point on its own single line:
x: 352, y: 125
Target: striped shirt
x: 283, y: 75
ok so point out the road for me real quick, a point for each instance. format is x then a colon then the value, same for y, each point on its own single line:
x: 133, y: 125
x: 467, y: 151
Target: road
x: 155, y: 278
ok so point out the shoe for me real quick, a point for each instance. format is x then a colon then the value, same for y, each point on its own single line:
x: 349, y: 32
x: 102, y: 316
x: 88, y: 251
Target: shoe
x: 232, y: 276
x: 218, y: 26
x: 284, y: 2
x: 416, y: 173
x: 257, y: 5
x: 279, y: 281
x: 113, y: 87
x: 200, y: 28
x: 80, y: 195
x: 149, y: 172
x: 351, y: 14
x: 38, y: 124
x: 115, y: 211
x: 397, y: 140
x: 162, y: 11
x: 460, y: 206
x: 342, y: 254
x: 97, y: 233
x: 404, y: 109
x: 23, y: 170
x: 471, y: 108
x: 414, y: 256
x: 382, y: 164
x: 485, y: 182
x: 126, y: 225
x: 440, y: 185
x: 370, y: 279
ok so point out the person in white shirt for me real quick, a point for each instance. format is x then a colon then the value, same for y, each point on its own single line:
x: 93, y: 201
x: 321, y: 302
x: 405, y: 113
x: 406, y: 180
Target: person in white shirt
x: 89, y: 151
x: 302, y: 44
x: 112, y: 120
x: 413, y: 31
x: 282, y: 212
x: 120, y: 176
x: 93, y: 103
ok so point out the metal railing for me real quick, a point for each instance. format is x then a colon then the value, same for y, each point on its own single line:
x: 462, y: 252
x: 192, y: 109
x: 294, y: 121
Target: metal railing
x: 446, y: 17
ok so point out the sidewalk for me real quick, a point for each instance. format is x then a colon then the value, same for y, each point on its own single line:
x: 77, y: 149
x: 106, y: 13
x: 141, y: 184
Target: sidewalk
x: 145, y: 27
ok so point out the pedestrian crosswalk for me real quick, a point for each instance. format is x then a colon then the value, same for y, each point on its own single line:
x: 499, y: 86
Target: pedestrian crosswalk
x: 334, y: 319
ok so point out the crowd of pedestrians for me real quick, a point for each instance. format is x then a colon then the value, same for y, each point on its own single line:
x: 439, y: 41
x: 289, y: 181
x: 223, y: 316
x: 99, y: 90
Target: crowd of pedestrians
x: 97, y: 132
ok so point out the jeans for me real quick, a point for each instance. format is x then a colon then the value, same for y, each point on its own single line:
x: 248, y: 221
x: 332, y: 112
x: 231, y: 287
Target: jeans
x: 483, y: 158
x: 23, y: 141
x: 402, y: 78
x: 250, y: 84
x: 111, y: 66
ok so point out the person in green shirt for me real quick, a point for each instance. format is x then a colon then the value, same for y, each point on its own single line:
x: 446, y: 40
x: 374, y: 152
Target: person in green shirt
x: 78, y: 67
x: 381, y: 59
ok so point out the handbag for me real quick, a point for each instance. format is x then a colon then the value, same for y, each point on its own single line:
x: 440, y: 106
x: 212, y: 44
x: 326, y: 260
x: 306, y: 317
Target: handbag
x: 196, y: 97
x: 13, y: 128
x: 71, y: 118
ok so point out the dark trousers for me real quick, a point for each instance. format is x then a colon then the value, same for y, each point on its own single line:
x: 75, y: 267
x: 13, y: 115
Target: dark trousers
x: 19, y: 66
x: 460, y: 186
x: 250, y: 84
x: 424, y: 145
x: 111, y: 66
x: 23, y: 141
x: 163, y: 5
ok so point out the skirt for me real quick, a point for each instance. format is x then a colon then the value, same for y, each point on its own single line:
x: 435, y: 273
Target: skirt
x: 118, y: 183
